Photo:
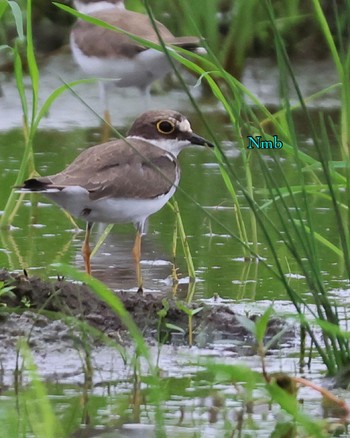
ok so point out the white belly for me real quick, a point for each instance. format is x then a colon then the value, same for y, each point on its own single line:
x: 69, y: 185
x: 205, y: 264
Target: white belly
x: 140, y: 71
x: 107, y: 210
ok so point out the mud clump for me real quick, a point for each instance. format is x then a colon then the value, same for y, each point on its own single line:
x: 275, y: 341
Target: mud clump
x: 63, y: 298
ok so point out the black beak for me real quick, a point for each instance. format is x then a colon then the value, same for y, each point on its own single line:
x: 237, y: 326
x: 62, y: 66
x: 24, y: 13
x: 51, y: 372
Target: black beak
x: 197, y: 139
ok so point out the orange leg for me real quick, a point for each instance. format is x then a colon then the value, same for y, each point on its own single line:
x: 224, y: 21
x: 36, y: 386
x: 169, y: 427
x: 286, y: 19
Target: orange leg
x: 86, y: 248
x: 136, y: 252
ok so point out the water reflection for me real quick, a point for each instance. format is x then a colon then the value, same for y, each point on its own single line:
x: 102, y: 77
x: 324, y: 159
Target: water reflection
x: 113, y: 263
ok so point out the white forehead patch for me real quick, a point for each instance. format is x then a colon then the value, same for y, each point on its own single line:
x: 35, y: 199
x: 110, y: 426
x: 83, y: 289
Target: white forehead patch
x: 183, y: 126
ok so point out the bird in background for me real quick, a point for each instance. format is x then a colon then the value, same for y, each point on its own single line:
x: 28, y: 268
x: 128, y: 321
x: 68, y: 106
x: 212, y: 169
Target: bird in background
x: 108, y: 55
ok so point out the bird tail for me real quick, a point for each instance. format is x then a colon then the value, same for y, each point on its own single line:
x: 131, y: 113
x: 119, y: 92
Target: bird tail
x: 35, y: 185
x: 193, y: 44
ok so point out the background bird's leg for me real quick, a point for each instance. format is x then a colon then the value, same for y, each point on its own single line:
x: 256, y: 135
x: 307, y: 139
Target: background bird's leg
x: 106, y: 130
x: 146, y: 97
x: 86, y: 248
x: 136, y: 252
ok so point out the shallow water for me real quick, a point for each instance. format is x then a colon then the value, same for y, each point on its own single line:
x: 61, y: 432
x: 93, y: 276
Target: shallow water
x: 193, y: 401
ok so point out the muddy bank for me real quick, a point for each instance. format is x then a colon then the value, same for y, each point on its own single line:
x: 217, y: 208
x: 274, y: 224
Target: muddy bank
x: 62, y: 298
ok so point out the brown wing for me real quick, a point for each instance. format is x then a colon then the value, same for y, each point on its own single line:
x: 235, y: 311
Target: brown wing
x: 104, y: 42
x: 115, y: 169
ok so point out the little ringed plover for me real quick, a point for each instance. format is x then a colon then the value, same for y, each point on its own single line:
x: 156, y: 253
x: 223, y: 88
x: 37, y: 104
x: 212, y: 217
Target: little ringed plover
x: 125, y: 180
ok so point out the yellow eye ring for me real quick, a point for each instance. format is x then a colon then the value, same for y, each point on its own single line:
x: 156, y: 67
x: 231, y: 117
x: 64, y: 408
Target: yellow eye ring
x: 165, y: 127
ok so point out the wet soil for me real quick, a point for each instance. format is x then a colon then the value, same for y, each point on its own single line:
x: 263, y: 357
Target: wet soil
x: 60, y: 299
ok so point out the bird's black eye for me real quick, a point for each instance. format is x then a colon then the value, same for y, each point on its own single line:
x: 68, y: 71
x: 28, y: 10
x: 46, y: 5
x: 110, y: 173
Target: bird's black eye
x: 165, y: 127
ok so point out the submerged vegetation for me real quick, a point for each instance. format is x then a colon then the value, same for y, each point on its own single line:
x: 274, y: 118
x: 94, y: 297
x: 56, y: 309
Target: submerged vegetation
x: 323, y: 172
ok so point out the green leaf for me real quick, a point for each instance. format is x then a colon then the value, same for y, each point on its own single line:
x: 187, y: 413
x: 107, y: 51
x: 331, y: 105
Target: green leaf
x: 41, y: 415
x: 113, y: 301
x: 195, y: 311
x: 162, y: 313
x: 289, y: 403
x: 332, y: 329
x: 247, y: 323
x: 321, y: 239
x: 275, y: 338
x: 32, y: 64
x: 45, y: 107
x: 175, y: 327
x: 20, y: 84
x: 3, y: 7
x: 182, y: 306
x: 261, y: 324
x: 235, y: 373
x: 17, y: 14
x: 184, y: 241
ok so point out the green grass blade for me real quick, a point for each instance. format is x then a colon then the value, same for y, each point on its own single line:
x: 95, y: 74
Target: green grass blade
x: 17, y: 14
x: 112, y: 300
x: 289, y: 403
x: 32, y: 65
x: 21, y: 88
x: 3, y: 7
x: 328, y: 36
x: 41, y: 416
x: 321, y: 239
x: 183, y: 238
x: 54, y: 96
x: 102, y: 238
